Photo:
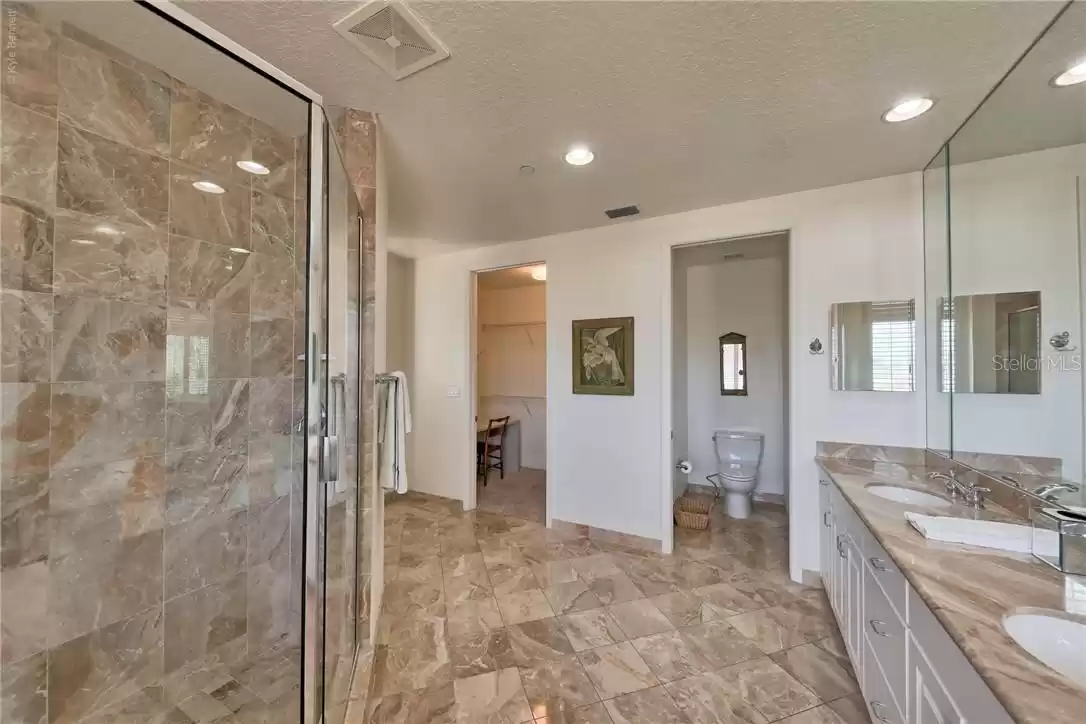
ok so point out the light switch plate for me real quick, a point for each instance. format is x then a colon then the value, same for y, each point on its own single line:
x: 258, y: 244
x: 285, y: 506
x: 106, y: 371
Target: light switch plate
x: 452, y: 391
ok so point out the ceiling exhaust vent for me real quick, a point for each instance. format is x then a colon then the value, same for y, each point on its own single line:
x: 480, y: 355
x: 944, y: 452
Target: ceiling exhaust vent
x: 622, y: 211
x: 392, y: 37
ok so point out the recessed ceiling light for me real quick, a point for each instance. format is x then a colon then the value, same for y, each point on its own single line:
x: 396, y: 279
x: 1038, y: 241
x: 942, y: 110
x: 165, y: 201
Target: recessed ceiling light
x: 208, y: 187
x: 579, y: 156
x: 1072, y: 76
x: 105, y: 229
x: 257, y: 169
x: 908, y: 109
x: 539, y: 273
x: 527, y: 169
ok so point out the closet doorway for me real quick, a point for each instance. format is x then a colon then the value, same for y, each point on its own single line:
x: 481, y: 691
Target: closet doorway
x: 511, y: 392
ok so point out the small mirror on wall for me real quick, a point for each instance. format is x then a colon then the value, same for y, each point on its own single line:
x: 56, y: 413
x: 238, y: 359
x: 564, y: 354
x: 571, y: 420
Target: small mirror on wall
x: 991, y: 343
x: 733, y: 364
x: 873, y: 346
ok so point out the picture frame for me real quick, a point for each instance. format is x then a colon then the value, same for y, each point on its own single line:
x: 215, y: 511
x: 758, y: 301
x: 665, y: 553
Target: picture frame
x: 603, y: 356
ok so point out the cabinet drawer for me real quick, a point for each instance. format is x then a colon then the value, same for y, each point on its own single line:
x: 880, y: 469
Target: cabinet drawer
x: 880, y: 702
x: 933, y: 649
x: 886, y: 635
x: 883, y: 569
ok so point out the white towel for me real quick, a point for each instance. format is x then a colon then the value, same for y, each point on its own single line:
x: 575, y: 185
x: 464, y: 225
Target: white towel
x: 984, y: 533
x: 395, y: 423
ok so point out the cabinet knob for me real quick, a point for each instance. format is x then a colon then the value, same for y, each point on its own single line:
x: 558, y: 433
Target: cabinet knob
x: 877, y: 708
x: 826, y: 519
x: 875, y: 626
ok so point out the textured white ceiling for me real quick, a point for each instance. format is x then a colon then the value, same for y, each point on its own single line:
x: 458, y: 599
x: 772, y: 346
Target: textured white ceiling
x: 686, y: 104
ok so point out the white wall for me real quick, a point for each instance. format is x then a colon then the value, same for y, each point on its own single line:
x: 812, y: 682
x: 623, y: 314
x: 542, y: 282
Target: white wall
x: 1015, y: 228
x: 746, y: 297
x: 609, y: 458
x: 512, y: 364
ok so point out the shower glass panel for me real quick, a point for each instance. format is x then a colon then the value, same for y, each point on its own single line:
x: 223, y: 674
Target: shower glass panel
x: 154, y: 206
x: 344, y: 620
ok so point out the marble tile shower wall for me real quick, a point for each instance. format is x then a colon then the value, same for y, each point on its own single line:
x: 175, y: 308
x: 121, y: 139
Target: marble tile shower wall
x: 148, y: 387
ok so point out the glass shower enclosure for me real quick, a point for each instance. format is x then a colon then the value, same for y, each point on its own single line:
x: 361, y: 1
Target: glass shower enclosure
x: 180, y: 381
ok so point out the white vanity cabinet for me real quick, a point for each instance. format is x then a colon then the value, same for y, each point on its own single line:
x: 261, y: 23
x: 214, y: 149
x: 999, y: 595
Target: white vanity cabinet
x: 910, y: 670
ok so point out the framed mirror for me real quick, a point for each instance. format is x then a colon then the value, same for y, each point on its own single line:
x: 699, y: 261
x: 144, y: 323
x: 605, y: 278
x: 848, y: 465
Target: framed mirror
x: 733, y: 364
x: 873, y: 346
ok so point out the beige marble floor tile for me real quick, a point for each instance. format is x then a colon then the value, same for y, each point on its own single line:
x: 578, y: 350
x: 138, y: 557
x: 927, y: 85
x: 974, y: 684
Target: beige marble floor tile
x: 412, y: 664
x: 478, y: 654
x: 640, y: 618
x: 554, y: 572
x: 571, y: 597
x: 432, y: 705
x: 461, y: 589
x: 510, y: 579
x: 851, y: 709
x: 727, y: 600
x: 617, y: 669
x: 524, y: 606
x: 593, y: 714
x: 650, y: 706
x: 769, y: 688
x: 828, y: 676
x: 670, y: 656
x: 710, y: 699
x: 684, y: 608
x: 591, y: 629
x: 527, y: 644
x: 819, y: 715
x: 719, y: 644
x: 496, y: 697
x: 617, y: 588
x: 474, y: 617
x: 554, y: 688
x: 601, y: 565
x: 782, y: 627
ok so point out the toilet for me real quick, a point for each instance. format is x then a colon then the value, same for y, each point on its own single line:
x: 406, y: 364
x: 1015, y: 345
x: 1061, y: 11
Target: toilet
x: 738, y: 457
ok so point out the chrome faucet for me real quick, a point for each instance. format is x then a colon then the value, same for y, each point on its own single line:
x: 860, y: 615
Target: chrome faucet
x: 973, y: 495
x: 1049, y: 491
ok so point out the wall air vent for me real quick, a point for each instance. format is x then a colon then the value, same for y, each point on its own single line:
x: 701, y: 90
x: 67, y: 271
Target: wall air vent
x: 622, y: 211
x: 392, y: 37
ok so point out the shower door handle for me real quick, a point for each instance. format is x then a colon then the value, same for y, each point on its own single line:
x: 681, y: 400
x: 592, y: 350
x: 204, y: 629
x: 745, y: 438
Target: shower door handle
x: 336, y: 399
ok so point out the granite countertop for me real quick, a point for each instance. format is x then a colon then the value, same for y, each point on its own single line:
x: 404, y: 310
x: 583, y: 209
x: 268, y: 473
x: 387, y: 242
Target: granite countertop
x: 970, y: 589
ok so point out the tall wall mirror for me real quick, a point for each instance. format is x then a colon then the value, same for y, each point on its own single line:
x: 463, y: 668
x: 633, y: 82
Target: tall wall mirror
x: 1004, y: 258
x: 873, y: 346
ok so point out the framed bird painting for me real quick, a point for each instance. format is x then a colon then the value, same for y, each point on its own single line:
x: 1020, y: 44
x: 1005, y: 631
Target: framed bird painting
x: 603, y: 356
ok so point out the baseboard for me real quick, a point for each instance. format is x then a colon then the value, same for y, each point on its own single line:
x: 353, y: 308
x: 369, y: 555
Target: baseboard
x: 610, y: 537
x: 771, y: 498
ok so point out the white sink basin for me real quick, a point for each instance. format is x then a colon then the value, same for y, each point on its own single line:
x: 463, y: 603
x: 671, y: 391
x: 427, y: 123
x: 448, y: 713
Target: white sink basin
x: 908, y: 496
x: 1054, y: 640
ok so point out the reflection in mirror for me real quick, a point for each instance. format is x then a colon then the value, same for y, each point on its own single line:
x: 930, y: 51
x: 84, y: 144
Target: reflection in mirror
x: 991, y: 343
x: 1015, y: 218
x: 733, y: 364
x: 873, y: 346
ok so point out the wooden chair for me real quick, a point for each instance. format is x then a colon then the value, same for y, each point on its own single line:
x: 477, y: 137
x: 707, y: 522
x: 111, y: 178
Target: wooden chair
x: 490, y: 450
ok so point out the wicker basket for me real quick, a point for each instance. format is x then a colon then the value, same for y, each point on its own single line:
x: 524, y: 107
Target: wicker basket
x: 694, y: 511
x: 696, y: 503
